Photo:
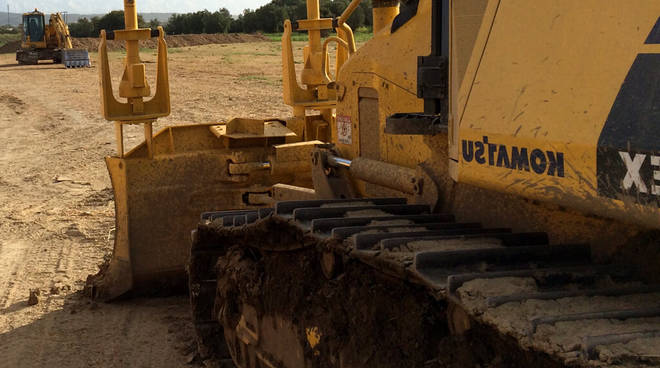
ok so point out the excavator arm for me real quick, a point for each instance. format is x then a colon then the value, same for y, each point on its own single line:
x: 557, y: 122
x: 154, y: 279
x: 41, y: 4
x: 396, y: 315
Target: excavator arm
x: 60, y: 37
x: 60, y: 31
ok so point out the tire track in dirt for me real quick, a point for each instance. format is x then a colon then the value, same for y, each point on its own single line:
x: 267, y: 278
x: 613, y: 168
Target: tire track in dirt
x: 12, y: 102
x: 54, y: 232
x: 12, y: 254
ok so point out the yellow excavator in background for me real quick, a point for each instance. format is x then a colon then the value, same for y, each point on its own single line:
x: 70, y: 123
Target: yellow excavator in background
x: 49, y: 42
x: 477, y: 187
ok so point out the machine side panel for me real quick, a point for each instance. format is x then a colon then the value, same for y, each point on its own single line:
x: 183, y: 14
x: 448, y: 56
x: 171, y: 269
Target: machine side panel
x: 377, y: 82
x: 552, y: 74
x: 628, y: 148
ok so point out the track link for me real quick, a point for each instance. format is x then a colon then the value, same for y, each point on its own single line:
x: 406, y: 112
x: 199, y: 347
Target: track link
x: 507, y: 299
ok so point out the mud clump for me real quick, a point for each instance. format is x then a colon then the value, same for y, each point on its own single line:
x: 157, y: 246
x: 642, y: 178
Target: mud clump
x: 99, y: 198
x: 370, y: 320
x: 361, y: 318
x: 34, y: 297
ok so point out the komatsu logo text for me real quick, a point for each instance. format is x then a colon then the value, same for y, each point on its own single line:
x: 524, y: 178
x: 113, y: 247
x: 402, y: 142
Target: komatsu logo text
x: 515, y: 158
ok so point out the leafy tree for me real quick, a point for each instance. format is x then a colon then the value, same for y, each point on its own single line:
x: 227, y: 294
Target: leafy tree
x: 299, y: 10
x: 82, y: 28
x: 366, y: 6
x: 114, y: 21
x: 268, y: 18
x: 110, y: 22
x: 176, y: 24
x: 225, y: 19
x: 236, y: 26
x: 153, y: 24
x: 357, y: 19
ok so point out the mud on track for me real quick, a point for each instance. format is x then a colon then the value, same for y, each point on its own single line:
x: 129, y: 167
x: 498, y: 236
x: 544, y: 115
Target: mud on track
x: 366, y: 318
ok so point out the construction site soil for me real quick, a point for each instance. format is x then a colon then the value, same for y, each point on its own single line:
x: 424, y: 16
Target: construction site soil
x: 173, y: 41
x: 57, y: 208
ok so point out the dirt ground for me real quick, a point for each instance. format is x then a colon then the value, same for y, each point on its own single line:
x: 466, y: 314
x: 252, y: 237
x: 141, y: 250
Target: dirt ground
x: 57, y: 210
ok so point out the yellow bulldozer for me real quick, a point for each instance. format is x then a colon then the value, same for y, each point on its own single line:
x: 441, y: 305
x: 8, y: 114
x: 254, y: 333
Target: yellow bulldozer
x: 50, y: 41
x: 477, y: 185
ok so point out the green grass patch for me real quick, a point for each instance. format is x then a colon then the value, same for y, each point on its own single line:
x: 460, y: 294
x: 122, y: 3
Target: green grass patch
x: 362, y: 34
x: 295, y: 36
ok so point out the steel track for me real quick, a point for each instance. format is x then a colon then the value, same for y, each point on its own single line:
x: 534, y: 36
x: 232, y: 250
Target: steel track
x: 551, y: 299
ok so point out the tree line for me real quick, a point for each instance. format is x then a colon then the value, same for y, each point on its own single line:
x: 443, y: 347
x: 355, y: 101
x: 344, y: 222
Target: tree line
x: 268, y: 19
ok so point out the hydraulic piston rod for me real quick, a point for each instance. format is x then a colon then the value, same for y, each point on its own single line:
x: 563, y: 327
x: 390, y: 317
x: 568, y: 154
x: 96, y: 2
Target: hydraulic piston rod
x: 381, y: 173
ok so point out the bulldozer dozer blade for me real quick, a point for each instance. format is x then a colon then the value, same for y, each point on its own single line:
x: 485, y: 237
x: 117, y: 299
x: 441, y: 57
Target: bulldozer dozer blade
x: 158, y: 201
x: 75, y: 58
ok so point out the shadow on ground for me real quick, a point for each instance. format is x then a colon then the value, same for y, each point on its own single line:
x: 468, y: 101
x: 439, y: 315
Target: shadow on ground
x: 32, y: 67
x: 135, y: 333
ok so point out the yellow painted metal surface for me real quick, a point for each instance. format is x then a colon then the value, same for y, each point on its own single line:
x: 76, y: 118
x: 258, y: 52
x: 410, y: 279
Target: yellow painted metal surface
x: 134, y: 86
x: 60, y: 31
x: 539, y: 81
x: 313, y: 336
x: 36, y: 44
x: 162, y: 185
x: 543, y: 78
x: 158, y: 201
x: 316, y: 90
x: 386, y: 81
x: 50, y: 41
x: 384, y: 13
x: 56, y: 33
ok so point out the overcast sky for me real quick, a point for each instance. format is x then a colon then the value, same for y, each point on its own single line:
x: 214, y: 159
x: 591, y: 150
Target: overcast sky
x: 144, y: 6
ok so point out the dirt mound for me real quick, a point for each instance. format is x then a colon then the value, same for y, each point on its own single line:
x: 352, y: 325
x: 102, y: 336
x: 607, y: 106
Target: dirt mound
x: 186, y: 40
x: 92, y: 44
x: 10, y: 47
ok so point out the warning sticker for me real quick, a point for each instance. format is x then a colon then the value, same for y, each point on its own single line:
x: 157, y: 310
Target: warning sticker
x: 344, y: 129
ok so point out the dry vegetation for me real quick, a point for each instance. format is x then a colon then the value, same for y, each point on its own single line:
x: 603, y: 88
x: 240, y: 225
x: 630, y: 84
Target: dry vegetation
x: 56, y: 217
